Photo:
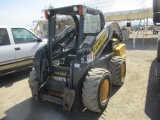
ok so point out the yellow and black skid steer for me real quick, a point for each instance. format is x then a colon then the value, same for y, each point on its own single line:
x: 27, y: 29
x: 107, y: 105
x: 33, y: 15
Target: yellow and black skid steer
x: 81, y: 60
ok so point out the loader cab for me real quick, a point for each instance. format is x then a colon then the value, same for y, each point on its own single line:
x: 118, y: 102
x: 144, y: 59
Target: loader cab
x: 69, y: 26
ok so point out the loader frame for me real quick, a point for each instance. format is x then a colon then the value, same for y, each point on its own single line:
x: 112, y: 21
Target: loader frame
x: 99, y: 51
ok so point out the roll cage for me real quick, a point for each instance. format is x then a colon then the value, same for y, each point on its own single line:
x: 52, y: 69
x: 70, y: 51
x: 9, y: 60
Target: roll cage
x: 77, y: 12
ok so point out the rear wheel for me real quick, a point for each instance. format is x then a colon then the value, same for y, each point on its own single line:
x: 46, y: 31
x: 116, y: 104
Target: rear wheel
x: 33, y: 84
x: 96, y: 89
x: 117, y: 69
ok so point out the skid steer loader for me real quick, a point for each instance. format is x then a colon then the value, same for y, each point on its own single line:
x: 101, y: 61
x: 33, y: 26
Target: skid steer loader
x: 80, y: 62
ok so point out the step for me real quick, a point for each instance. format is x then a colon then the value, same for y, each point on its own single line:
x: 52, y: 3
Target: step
x: 53, y: 99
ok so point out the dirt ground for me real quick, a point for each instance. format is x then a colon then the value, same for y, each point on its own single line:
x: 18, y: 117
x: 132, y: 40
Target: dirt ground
x: 137, y: 99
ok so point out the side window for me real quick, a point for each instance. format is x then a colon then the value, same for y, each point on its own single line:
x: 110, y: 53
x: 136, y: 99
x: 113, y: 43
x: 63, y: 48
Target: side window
x: 22, y: 35
x: 4, y: 38
x: 92, y: 23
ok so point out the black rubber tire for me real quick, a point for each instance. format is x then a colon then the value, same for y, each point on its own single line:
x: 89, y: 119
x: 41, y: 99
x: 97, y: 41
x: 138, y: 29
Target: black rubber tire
x: 158, y: 51
x: 115, y: 70
x: 33, y: 84
x: 92, y: 88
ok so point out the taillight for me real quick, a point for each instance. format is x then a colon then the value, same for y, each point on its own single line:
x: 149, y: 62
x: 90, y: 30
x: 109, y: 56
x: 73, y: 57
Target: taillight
x: 46, y: 14
x: 80, y: 11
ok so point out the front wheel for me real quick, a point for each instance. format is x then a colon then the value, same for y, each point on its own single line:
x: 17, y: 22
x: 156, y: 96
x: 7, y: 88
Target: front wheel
x: 96, y: 89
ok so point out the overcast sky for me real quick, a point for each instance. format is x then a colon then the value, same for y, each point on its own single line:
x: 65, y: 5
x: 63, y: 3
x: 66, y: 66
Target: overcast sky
x: 23, y: 12
x: 119, y: 5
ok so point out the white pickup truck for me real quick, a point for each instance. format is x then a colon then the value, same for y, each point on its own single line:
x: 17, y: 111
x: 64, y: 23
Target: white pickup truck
x: 17, y: 48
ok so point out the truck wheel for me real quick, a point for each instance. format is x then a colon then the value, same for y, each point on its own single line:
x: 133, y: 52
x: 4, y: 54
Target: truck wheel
x: 117, y: 69
x: 96, y: 89
x: 33, y: 84
x: 158, y: 51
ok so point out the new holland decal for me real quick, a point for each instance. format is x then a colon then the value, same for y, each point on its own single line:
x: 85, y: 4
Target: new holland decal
x: 99, y: 42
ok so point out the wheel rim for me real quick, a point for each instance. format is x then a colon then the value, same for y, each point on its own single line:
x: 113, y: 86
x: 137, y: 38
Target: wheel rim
x: 104, y: 91
x: 123, y: 70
